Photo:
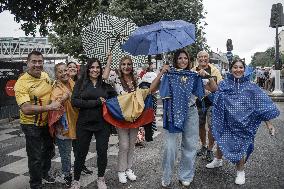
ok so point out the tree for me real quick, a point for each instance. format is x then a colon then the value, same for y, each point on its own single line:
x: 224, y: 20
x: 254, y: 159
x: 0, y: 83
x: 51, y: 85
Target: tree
x: 63, y: 20
x: 44, y: 14
x: 265, y: 59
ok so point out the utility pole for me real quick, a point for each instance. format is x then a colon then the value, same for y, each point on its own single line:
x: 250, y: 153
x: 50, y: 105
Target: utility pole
x: 276, y: 21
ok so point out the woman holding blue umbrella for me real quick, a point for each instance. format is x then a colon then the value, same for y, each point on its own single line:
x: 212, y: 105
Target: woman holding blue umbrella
x: 178, y: 88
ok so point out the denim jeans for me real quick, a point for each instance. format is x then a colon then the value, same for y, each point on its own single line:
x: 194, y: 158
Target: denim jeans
x: 189, y: 144
x: 40, y: 150
x: 65, y: 147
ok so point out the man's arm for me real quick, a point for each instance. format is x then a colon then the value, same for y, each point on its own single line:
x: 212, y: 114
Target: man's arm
x: 30, y: 109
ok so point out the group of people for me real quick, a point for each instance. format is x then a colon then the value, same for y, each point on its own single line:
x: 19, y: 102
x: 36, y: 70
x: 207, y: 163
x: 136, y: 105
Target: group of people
x: 69, y: 112
x: 265, y: 78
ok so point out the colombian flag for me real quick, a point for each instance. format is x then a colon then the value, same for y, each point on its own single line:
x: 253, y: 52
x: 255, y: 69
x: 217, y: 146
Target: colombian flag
x: 131, y: 110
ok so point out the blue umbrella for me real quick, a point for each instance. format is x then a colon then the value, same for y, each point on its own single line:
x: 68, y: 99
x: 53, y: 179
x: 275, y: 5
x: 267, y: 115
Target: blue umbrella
x: 163, y: 36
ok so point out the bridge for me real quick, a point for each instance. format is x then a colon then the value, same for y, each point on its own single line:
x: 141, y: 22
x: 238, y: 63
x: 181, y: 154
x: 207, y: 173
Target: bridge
x: 17, y: 49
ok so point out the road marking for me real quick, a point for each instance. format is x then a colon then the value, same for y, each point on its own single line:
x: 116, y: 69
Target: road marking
x: 18, y: 167
x: 20, y: 153
x: 18, y: 182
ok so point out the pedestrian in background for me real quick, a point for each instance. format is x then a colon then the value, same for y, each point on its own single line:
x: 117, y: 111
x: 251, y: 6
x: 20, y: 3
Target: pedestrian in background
x: 124, y: 81
x: 32, y: 92
x: 146, y: 81
x: 73, y: 70
x: 89, y: 94
x: 239, y: 108
x: 62, y: 123
x: 205, y: 114
x: 185, y: 115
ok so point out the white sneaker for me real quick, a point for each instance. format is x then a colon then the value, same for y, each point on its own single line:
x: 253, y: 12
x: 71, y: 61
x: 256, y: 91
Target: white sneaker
x: 101, y: 183
x: 215, y: 163
x: 122, y: 177
x: 75, y: 185
x: 164, y: 184
x: 185, y: 183
x: 130, y: 175
x: 240, y: 179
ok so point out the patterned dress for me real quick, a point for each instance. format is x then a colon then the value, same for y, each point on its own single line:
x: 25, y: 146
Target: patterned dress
x: 114, y: 79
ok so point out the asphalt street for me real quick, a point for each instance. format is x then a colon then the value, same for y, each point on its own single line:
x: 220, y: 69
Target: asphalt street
x: 264, y: 169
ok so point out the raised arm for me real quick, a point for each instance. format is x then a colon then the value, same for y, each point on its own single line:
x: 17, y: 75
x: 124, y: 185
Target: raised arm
x: 107, y: 67
x: 156, y: 82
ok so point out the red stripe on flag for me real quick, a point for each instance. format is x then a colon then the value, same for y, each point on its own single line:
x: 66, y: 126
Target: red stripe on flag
x: 146, y: 117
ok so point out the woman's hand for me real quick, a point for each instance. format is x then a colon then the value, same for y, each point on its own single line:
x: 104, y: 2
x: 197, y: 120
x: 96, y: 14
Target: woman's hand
x: 102, y: 100
x: 270, y: 128
x: 54, y: 105
x: 65, y: 97
x: 165, y: 68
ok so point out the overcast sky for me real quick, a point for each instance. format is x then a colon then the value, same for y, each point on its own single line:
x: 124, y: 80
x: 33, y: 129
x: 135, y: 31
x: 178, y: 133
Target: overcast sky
x: 246, y: 22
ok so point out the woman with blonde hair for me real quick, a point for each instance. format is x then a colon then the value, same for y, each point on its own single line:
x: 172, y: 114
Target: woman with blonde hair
x: 124, y: 81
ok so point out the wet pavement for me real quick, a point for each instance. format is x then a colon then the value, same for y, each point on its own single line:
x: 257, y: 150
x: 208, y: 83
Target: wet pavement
x: 264, y: 169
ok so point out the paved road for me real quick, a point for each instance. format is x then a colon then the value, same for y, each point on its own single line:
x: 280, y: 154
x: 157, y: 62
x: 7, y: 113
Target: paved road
x: 264, y: 169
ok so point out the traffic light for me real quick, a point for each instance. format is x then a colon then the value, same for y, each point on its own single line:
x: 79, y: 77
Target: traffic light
x: 277, y: 16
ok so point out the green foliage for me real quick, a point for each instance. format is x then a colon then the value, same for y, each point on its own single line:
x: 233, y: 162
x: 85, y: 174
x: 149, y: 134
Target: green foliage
x: 44, y: 13
x: 265, y: 59
x: 63, y: 20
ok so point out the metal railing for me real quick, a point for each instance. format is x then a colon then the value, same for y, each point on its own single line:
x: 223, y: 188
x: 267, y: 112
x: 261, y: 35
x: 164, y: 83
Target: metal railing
x: 15, y: 49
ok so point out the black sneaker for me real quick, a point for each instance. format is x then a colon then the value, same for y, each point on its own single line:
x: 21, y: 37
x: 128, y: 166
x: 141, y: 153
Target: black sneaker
x: 202, y: 151
x: 86, y: 171
x: 48, y: 180
x: 209, y: 155
x: 68, y: 180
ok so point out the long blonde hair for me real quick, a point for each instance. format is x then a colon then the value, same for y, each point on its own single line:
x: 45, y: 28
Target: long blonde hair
x: 121, y: 76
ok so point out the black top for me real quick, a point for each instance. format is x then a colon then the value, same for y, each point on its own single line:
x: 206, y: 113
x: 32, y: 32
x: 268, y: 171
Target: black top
x: 89, y: 104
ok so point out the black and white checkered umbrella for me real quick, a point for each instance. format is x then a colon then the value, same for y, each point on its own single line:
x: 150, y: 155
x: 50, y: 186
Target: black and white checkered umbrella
x: 107, y: 33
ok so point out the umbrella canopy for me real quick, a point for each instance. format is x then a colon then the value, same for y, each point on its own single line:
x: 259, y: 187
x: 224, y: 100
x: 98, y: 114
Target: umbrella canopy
x: 160, y: 37
x: 107, y: 33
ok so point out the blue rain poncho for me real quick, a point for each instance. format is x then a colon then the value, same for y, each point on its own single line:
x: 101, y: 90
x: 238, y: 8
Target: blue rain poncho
x: 239, y: 107
x: 176, y: 89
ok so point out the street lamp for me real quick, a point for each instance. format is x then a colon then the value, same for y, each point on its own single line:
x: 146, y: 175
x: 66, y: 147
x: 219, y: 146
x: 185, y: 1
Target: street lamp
x: 277, y: 20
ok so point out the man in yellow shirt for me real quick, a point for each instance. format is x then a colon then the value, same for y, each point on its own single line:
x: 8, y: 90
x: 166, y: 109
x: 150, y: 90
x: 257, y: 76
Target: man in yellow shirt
x: 212, y: 72
x: 32, y: 91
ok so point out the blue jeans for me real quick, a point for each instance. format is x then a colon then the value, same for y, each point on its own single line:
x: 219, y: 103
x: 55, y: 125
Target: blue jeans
x: 64, y: 147
x: 189, y: 144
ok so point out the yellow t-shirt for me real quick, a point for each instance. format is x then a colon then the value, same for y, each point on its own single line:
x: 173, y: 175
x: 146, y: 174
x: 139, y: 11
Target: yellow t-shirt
x: 36, y: 91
